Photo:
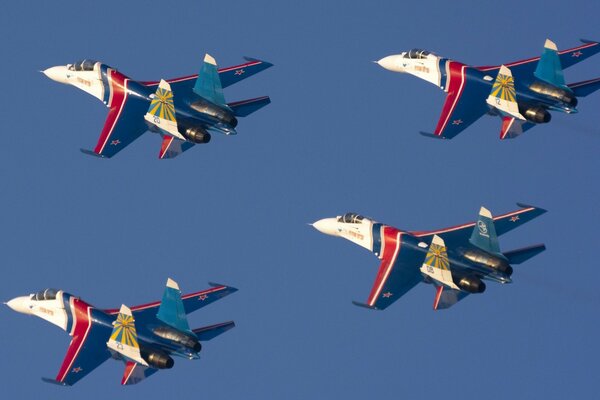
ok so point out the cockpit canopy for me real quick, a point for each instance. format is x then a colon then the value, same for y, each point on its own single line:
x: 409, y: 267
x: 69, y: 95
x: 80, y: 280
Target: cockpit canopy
x: 351, y: 218
x: 84, y: 65
x: 417, y: 54
x: 46, y: 294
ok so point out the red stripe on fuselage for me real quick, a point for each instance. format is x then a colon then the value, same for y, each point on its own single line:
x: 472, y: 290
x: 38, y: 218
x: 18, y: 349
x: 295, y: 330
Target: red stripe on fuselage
x: 117, y: 83
x: 82, y: 323
x: 456, y: 82
x: 392, y: 240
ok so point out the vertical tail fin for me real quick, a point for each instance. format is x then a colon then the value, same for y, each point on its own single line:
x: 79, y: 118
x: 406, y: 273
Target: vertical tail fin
x: 436, y: 263
x: 124, y: 339
x: 504, y: 95
x: 549, y: 68
x: 162, y: 110
x: 208, y: 83
x: 484, y: 233
x: 171, y: 310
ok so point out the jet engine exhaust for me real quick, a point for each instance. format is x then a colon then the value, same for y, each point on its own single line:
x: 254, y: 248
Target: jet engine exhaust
x: 157, y: 359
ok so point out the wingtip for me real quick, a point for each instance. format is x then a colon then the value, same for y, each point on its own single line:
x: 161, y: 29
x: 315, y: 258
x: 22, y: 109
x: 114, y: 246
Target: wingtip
x: 92, y: 153
x: 523, y: 205
x: 231, y: 288
x: 431, y: 135
x: 588, y: 41
x: 363, y: 305
x: 252, y: 59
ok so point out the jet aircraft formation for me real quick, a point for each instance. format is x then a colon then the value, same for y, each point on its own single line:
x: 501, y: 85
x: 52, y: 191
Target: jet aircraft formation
x: 184, y: 111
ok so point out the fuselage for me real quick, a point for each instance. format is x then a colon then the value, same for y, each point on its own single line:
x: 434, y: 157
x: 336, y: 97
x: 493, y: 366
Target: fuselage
x: 75, y: 316
x: 388, y: 242
x: 533, y: 96
x: 107, y: 84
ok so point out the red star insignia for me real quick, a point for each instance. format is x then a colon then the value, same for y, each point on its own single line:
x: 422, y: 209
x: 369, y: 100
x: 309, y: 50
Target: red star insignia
x: 387, y: 294
x: 515, y: 218
x: 78, y: 369
x: 576, y: 54
x: 457, y: 122
x: 115, y: 142
x: 202, y: 297
x: 239, y: 72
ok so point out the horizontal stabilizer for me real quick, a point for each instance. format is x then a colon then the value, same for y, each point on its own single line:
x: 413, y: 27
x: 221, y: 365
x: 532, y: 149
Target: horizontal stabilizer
x: 210, y: 332
x: 521, y: 255
x: 356, y: 303
x: 513, y: 127
x: 446, y: 297
x: 246, y: 107
x: 171, y: 147
x: 549, y: 68
x: 135, y: 373
x: 582, y: 89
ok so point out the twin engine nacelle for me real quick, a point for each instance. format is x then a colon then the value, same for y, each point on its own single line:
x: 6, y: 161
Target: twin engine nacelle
x: 157, y: 359
x: 555, y: 93
x: 195, y: 134
x: 538, y: 115
x: 487, y: 260
x: 471, y: 284
x: 178, y: 337
x: 222, y: 115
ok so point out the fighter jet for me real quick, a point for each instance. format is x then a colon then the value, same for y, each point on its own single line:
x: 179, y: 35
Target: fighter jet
x: 521, y: 93
x: 455, y: 260
x: 144, y: 337
x: 184, y: 111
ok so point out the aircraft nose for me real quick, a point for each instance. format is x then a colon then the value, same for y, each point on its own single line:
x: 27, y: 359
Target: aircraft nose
x: 327, y: 226
x: 57, y: 74
x: 391, y: 63
x: 20, y: 304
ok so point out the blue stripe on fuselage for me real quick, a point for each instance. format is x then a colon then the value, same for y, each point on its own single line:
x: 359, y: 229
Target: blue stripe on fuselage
x: 443, y: 75
x: 376, y: 230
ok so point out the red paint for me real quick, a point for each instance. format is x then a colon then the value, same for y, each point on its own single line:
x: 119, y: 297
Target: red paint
x: 455, y: 86
x: 117, y: 83
x: 81, y: 326
x: 390, y: 250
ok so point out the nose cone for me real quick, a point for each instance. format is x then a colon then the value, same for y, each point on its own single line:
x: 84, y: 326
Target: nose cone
x: 20, y: 304
x: 327, y: 226
x: 392, y: 63
x: 58, y: 74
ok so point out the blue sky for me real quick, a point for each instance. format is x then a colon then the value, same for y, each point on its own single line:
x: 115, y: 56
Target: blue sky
x: 341, y: 135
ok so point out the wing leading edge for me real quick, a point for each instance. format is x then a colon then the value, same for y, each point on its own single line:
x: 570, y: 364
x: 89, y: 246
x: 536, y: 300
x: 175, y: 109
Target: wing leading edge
x: 457, y: 236
x: 125, y: 121
x: 465, y: 102
x: 396, y: 275
x: 87, y: 349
